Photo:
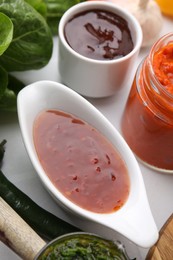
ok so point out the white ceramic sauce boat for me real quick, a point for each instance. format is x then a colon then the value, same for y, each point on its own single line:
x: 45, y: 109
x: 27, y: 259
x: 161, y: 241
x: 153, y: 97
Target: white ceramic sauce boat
x: 134, y: 220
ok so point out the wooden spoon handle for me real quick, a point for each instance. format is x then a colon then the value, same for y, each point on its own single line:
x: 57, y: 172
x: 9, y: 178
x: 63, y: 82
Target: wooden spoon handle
x: 17, y: 234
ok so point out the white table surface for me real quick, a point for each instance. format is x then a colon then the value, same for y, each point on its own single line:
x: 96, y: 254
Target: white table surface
x: 18, y: 168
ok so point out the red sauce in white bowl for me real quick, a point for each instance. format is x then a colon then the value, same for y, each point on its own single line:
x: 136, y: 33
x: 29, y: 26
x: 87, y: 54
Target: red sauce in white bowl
x: 81, y: 162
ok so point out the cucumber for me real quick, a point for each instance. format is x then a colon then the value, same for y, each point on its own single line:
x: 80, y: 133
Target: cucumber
x: 43, y: 222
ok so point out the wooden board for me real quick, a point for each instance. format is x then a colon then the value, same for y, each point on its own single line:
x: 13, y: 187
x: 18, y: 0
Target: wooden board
x: 163, y: 249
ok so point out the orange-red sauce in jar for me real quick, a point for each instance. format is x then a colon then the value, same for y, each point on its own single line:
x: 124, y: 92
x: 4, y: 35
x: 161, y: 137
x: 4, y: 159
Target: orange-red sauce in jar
x: 163, y: 66
x: 80, y: 162
x: 147, y: 122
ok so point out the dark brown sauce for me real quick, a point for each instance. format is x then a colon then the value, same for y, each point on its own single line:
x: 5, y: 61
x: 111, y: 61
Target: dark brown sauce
x: 99, y: 35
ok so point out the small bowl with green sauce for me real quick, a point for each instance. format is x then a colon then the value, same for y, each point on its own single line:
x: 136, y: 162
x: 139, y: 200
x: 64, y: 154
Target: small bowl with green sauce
x: 82, y: 246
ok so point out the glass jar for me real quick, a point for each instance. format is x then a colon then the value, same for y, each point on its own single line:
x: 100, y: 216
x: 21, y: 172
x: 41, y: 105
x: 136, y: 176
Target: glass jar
x: 147, y: 121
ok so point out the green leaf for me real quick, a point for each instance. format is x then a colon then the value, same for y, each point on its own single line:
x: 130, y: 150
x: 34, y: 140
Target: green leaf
x: 38, y: 5
x: 7, y: 96
x: 3, y: 81
x: 55, y: 10
x: 6, y: 32
x: 31, y: 47
x: 15, y: 84
x: 8, y: 101
x: 9, y: 88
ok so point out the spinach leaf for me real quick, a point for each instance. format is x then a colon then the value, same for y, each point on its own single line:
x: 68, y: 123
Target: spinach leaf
x: 15, y: 84
x: 3, y: 81
x: 8, y: 101
x: 55, y: 10
x: 38, y: 5
x: 6, y: 32
x: 31, y: 47
x: 7, y: 97
x: 9, y: 88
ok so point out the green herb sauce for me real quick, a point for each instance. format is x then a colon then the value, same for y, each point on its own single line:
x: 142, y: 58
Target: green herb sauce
x: 83, y: 247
